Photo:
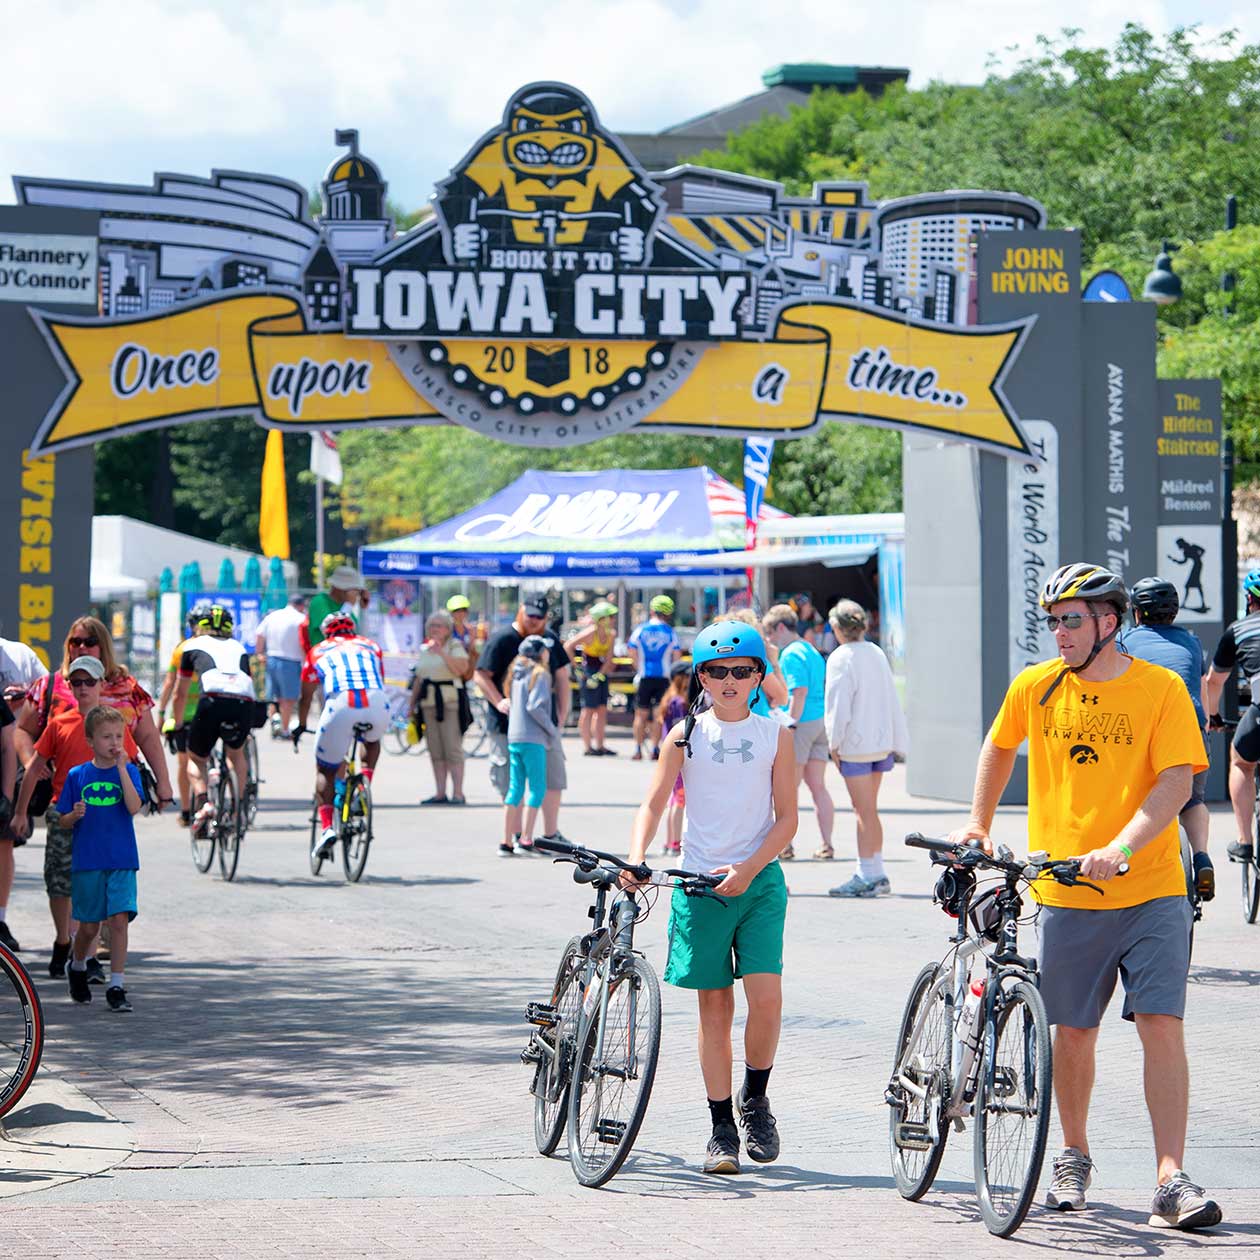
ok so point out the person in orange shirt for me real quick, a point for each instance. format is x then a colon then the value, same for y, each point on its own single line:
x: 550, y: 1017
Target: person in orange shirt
x: 64, y: 744
x: 1113, y: 743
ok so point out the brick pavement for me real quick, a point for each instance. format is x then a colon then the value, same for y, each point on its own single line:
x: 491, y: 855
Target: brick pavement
x: 309, y: 1044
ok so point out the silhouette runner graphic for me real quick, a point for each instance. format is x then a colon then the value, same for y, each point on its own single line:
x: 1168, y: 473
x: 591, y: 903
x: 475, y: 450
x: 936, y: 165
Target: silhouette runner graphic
x: 1192, y: 555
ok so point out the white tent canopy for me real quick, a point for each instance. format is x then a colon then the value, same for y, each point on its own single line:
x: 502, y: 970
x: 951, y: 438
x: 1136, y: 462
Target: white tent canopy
x: 128, y: 557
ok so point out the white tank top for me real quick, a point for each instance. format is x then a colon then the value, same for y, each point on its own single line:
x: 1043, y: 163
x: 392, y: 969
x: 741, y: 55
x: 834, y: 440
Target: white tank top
x: 730, y: 803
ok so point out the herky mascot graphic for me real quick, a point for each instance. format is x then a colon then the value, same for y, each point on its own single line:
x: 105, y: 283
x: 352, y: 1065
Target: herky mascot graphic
x: 548, y: 180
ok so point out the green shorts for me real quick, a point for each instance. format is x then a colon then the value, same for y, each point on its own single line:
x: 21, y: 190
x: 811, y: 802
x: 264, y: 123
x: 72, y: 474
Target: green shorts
x: 711, y: 945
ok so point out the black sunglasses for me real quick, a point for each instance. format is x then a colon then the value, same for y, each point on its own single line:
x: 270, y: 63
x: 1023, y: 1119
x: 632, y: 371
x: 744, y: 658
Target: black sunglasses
x: 718, y: 672
x: 80, y: 681
x: 90, y: 641
x: 1072, y: 621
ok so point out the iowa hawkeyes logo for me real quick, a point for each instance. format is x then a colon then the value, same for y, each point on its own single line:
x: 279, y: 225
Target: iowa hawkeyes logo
x: 1083, y: 755
x: 102, y: 793
x: 548, y: 178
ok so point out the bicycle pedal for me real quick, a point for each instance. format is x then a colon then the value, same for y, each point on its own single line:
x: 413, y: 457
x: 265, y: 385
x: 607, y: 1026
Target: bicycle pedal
x: 913, y: 1137
x: 541, y: 1013
x: 610, y: 1131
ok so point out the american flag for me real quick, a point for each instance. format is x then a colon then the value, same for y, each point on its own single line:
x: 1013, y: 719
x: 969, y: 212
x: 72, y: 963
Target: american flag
x: 726, y: 503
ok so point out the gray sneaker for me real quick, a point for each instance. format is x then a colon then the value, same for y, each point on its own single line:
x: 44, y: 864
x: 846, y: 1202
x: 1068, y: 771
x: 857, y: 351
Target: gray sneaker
x: 1071, y: 1177
x: 721, y: 1156
x: 1180, y: 1204
x: 859, y: 887
x: 1240, y: 851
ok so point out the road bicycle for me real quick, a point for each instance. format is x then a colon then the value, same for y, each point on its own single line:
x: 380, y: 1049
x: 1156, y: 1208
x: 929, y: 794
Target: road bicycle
x: 977, y: 1048
x: 225, y: 828
x: 596, y: 1042
x: 352, y: 812
x: 479, y: 732
x: 1250, y: 866
x: 21, y: 1030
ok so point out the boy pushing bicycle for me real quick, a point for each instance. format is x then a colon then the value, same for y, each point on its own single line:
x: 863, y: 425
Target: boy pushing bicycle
x: 739, y: 773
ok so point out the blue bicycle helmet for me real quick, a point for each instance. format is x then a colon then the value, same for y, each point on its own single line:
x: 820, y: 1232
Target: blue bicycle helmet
x: 727, y: 638
x: 1251, y: 583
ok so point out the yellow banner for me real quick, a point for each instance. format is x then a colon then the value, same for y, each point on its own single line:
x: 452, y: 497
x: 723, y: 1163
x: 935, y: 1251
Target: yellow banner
x: 252, y: 353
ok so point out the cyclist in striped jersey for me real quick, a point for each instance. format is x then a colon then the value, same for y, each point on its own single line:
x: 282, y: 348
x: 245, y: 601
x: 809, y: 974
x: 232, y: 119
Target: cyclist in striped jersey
x: 351, y: 671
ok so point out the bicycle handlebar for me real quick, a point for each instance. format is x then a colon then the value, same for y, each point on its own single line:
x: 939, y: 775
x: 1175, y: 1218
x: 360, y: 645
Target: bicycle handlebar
x: 1066, y: 871
x: 588, y: 861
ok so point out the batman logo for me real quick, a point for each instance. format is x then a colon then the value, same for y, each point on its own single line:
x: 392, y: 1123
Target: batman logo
x: 102, y: 793
x: 1083, y: 755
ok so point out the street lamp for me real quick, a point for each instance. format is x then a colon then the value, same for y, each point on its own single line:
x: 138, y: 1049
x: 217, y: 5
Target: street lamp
x: 1163, y: 285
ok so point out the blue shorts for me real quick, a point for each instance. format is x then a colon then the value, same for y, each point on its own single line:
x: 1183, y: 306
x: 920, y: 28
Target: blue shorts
x: 284, y: 678
x: 95, y: 895
x: 856, y: 769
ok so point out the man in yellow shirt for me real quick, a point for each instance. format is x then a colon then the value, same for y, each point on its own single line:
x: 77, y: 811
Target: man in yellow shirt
x: 1113, y: 744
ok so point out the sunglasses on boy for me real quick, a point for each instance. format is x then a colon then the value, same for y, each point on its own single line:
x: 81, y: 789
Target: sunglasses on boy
x: 718, y: 672
x: 1071, y: 621
x: 83, y: 680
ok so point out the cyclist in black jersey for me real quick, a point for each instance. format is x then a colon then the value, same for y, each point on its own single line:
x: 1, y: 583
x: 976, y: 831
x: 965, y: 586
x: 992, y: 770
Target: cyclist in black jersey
x: 1239, y: 648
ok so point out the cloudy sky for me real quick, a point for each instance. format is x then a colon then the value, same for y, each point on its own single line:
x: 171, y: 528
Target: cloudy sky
x: 116, y: 92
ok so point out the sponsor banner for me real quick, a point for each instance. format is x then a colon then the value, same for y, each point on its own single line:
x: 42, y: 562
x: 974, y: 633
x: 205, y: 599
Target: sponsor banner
x: 48, y: 268
x: 1032, y: 511
x: 472, y: 564
x: 251, y: 353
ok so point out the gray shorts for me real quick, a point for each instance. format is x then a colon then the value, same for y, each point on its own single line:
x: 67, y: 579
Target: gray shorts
x: 1083, y: 951
x: 500, y: 772
x: 810, y: 740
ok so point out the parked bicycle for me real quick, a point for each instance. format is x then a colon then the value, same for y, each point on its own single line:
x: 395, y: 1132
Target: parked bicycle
x: 595, y: 1044
x: 479, y: 732
x: 224, y: 830
x: 352, y: 814
x: 977, y: 1048
x: 399, y: 738
x: 21, y: 1030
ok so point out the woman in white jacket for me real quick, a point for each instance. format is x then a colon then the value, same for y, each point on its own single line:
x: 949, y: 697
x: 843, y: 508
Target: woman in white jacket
x: 865, y: 728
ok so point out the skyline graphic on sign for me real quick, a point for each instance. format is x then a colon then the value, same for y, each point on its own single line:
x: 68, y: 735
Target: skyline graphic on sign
x: 557, y: 294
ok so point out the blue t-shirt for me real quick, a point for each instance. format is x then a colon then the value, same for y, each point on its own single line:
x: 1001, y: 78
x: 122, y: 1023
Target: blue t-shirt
x: 803, y: 666
x: 104, y: 838
x: 653, y: 640
x: 758, y: 702
x: 1175, y: 648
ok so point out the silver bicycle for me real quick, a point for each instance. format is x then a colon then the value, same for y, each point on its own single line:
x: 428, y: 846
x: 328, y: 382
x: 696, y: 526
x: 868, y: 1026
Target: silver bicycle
x: 977, y: 1046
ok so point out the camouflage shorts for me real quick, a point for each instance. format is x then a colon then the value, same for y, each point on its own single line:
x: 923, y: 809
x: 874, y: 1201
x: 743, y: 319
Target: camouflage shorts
x: 58, y: 842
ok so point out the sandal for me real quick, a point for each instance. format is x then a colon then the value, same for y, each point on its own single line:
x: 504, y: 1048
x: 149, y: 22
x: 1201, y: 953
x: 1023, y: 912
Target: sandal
x: 435, y: 800
x: 788, y: 854
x: 825, y: 854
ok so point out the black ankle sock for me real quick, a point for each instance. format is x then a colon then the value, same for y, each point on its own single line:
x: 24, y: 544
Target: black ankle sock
x: 721, y: 1112
x: 756, y: 1081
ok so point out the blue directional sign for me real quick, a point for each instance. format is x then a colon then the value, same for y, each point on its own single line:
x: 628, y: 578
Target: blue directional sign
x: 1107, y: 286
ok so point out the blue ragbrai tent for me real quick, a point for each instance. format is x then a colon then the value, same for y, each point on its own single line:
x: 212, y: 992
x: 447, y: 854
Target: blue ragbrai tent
x: 611, y: 524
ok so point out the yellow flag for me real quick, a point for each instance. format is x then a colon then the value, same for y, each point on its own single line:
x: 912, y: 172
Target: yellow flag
x: 273, y: 515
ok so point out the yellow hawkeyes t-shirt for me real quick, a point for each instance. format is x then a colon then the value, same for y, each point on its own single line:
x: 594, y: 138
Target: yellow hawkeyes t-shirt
x: 1095, y: 750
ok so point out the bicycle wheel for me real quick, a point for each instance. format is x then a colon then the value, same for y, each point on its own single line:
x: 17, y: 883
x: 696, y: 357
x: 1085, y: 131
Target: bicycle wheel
x: 479, y: 731
x: 551, y: 1079
x: 1012, y: 1107
x: 317, y: 863
x: 228, y: 825
x: 202, y: 846
x: 356, y: 828
x: 21, y: 1031
x: 1187, y: 871
x: 612, y: 1080
x: 249, y: 797
x: 1250, y: 890
x: 917, y: 1128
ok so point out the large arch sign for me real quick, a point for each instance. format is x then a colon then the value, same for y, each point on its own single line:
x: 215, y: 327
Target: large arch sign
x: 558, y: 293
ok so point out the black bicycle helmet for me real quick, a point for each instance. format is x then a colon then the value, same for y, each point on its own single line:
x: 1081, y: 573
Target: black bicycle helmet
x: 1156, y: 599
